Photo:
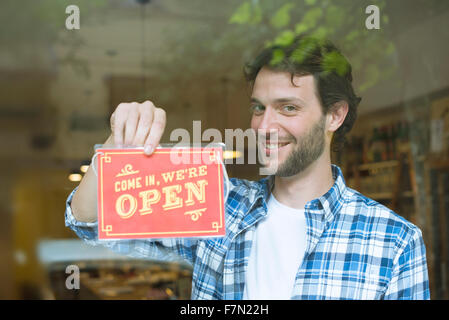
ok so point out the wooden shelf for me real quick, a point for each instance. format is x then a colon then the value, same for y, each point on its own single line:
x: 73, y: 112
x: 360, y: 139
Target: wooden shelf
x: 393, y: 172
x: 379, y: 165
x: 387, y: 195
x: 438, y: 164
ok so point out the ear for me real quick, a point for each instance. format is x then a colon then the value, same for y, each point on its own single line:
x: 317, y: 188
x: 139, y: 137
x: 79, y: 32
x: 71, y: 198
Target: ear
x: 336, y: 115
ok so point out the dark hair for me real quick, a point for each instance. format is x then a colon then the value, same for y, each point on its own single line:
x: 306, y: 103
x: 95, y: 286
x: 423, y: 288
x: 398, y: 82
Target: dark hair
x: 307, y: 55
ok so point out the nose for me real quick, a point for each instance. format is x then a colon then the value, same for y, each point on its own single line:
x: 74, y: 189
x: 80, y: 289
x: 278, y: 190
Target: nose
x: 267, y: 123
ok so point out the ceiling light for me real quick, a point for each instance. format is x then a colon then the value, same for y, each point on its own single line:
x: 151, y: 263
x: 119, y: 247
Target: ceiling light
x: 84, y: 166
x: 75, y: 176
x: 231, y: 154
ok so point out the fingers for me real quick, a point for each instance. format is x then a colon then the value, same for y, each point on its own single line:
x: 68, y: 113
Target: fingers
x: 119, y: 119
x: 138, y: 124
x: 156, y: 131
x: 131, y: 125
x: 145, y: 120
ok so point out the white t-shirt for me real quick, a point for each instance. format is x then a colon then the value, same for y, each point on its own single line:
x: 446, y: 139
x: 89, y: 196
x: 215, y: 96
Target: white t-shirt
x: 277, y: 251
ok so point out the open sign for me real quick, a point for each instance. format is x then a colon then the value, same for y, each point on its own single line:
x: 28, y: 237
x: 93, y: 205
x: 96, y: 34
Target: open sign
x: 143, y: 196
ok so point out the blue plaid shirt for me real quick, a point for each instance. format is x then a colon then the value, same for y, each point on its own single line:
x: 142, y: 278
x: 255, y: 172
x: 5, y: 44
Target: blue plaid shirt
x: 356, y: 248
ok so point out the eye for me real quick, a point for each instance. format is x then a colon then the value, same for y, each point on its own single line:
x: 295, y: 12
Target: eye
x: 289, y: 108
x: 257, y: 109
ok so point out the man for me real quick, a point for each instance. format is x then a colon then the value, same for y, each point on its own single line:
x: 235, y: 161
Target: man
x: 301, y: 233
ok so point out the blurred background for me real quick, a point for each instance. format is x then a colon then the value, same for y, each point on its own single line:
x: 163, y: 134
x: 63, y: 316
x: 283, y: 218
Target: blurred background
x: 58, y: 88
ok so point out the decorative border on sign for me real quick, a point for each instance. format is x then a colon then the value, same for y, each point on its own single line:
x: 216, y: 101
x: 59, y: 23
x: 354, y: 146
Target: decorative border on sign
x: 126, y: 171
x: 195, y: 214
x: 108, y: 229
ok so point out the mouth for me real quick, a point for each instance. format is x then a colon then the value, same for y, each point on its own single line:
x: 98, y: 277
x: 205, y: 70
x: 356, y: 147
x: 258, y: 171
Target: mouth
x: 271, y: 147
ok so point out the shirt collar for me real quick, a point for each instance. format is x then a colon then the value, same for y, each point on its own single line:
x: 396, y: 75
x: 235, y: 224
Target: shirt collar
x: 329, y: 203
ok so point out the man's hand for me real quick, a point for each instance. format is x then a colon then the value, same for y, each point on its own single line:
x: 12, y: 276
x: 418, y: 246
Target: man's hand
x: 132, y: 125
x: 138, y: 124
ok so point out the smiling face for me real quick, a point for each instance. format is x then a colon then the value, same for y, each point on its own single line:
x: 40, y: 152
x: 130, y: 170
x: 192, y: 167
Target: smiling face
x: 294, y: 114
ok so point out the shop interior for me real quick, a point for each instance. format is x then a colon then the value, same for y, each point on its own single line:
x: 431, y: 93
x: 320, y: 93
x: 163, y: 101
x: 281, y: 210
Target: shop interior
x: 59, y: 87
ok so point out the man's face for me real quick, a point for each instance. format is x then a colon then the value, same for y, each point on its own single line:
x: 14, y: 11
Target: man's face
x: 294, y: 114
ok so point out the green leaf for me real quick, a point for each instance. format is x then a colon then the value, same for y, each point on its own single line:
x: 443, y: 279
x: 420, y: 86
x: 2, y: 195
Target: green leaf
x: 242, y: 15
x: 311, y: 17
x: 282, y: 17
x: 298, y: 56
x: 305, y: 49
x: 335, y: 62
x: 301, y: 28
x: 285, y: 38
x: 310, y: 2
x: 278, y: 56
x: 321, y: 33
x: 247, y: 14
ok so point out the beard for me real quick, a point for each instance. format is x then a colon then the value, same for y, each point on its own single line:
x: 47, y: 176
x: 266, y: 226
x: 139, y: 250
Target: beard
x: 309, y: 148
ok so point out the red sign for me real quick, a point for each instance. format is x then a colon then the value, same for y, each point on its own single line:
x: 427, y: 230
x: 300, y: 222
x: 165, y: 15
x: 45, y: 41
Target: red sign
x: 175, y: 192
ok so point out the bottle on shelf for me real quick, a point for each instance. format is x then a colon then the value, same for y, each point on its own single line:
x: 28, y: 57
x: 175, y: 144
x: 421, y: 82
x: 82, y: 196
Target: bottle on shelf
x: 376, y: 146
x: 403, y: 137
x: 393, y: 138
x: 384, y: 143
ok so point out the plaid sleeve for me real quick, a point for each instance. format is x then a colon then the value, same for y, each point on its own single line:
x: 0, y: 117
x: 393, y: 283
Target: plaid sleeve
x: 410, y: 276
x: 171, y: 249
